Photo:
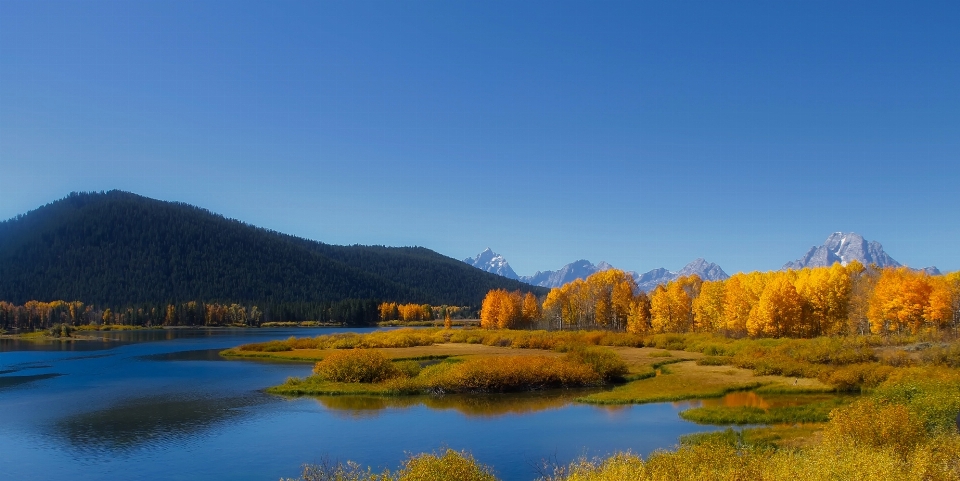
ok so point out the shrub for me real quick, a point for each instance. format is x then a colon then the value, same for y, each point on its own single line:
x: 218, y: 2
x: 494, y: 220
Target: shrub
x: 356, y: 365
x: 447, y: 466
x: 856, y: 376
x: 605, y: 362
x: 508, y: 373
x: 408, y: 368
x: 874, y: 424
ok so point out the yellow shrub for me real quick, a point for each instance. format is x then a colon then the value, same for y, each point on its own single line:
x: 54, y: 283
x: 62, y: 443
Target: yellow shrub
x: 447, y: 466
x: 356, y: 365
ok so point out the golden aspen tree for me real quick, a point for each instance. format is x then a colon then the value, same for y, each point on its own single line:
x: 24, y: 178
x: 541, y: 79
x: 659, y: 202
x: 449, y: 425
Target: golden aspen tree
x: 603, y: 311
x: 737, y: 302
x: 682, y: 295
x: 916, y: 297
x: 621, y: 299
x: 531, y: 308
x: 661, y: 310
x: 553, y: 306
x: 862, y: 283
x: 778, y: 311
x: 708, y: 307
x: 490, y: 309
x: 638, y: 319
x: 578, y: 303
x: 509, y: 315
x: 940, y: 309
x: 826, y: 294
x: 887, y: 302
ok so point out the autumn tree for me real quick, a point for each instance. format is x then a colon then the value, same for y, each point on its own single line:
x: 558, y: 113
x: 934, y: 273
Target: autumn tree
x: 708, y: 307
x: 531, y: 308
x: 779, y: 310
x: 638, y: 318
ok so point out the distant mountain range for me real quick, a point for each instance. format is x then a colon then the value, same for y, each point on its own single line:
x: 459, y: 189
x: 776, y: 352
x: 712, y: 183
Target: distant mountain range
x: 490, y: 261
x: 839, y: 247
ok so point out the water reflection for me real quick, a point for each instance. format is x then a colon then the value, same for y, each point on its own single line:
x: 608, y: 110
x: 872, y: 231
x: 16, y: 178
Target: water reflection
x: 754, y: 400
x: 10, y: 345
x: 158, y: 420
x: 7, y: 382
x: 471, y: 405
x: 197, y: 355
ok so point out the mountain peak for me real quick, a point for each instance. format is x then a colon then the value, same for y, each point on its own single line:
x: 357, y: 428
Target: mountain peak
x: 490, y: 261
x: 707, y: 271
x: 844, y: 247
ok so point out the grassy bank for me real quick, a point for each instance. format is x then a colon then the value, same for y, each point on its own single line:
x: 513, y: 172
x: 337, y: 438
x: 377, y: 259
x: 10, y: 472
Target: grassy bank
x: 370, y: 371
x: 689, y: 380
x: 775, y: 409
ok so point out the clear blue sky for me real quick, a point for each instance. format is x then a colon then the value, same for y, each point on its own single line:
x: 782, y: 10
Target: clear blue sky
x: 645, y: 134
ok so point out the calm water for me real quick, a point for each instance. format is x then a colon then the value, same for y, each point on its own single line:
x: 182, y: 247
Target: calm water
x: 162, y: 405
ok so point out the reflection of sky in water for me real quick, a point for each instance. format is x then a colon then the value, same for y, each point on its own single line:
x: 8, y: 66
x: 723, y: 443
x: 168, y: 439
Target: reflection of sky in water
x: 152, y: 421
x: 150, y: 407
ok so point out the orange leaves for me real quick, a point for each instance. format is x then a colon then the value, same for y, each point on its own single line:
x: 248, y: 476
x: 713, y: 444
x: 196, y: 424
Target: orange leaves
x: 391, y: 311
x: 912, y: 301
x: 778, y: 312
x: 605, y: 299
x: 503, y: 310
x: 805, y: 303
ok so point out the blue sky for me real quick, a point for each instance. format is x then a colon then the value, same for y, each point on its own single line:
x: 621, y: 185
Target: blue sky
x: 645, y: 134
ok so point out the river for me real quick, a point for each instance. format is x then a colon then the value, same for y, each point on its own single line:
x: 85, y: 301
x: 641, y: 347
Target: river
x: 161, y: 405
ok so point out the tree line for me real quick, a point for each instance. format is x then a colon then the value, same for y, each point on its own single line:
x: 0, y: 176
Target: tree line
x: 410, y: 312
x: 37, y: 315
x: 851, y: 299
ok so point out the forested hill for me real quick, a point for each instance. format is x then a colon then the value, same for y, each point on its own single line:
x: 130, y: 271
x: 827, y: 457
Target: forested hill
x: 118, y: 248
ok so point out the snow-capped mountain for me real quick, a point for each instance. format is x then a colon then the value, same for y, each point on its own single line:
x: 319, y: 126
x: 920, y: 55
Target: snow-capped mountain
x: 845, y: 247
x: 707, y: 271
x: 492, y: 262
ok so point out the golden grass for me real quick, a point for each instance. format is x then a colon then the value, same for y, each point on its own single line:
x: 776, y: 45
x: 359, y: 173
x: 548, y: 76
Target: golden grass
x: 687, y: 380
x: 477, y: 374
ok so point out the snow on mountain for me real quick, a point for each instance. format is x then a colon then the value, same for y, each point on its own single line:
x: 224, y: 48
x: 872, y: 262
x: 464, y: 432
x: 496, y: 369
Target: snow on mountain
x: 492, y: 262
x: 844, y: 248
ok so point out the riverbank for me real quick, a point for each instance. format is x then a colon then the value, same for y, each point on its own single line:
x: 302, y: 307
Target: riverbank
x: 810, y: 373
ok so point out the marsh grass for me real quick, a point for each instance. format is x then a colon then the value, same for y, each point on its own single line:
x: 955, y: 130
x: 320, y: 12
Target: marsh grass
x: 683, y: 380
x: 813, y: 412
x: 369, y: 371
x: 443, y: 465
x: 395, y: 338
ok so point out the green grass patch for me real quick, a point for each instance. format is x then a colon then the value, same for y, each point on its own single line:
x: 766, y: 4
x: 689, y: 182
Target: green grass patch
x: 685, y: 380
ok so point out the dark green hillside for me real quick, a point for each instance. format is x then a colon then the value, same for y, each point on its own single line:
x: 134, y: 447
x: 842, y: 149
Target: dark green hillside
x: 118, y: 248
